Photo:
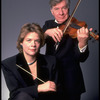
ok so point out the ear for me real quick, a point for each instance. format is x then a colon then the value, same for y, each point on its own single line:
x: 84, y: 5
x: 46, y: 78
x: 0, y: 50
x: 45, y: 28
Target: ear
x: 51, y: 11
x: 21, y: 44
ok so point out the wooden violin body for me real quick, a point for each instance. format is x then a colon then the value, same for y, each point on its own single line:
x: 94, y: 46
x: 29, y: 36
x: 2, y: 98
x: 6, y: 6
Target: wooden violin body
x: 74, y: 25
x: 72, y: 31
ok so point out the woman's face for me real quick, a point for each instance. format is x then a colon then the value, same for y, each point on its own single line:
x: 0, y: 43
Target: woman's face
x: 31, y: 44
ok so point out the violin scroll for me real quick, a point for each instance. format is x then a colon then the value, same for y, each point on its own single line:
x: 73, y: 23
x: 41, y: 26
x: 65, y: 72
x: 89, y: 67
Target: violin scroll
x: 96, y: 37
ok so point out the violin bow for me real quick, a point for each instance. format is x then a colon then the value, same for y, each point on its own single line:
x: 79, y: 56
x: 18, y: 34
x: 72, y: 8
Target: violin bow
x: 30, y: 73
x: 68, y: 22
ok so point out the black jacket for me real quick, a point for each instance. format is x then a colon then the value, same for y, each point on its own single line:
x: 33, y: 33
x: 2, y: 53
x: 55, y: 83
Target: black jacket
x: 69, y: 58
x: 19, y: 81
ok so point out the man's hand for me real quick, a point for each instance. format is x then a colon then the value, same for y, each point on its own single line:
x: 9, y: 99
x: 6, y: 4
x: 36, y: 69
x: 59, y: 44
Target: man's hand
x: 55, y: 33
x: 83, y: 36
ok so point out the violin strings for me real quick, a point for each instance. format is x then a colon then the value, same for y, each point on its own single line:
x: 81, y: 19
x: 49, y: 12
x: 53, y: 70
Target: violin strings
x: 92, y: 34
x: 68, y: 22
x: 30, y: 73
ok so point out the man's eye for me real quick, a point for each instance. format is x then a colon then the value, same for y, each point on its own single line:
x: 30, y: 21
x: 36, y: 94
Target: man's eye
x: 65, y: 7
x: 56, y: 8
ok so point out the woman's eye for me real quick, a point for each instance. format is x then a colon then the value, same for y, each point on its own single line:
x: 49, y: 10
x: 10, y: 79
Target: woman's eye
x: 38, y: 41
x: 29, y: 40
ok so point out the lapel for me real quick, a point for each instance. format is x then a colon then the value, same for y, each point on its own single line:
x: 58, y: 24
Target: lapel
x: 64, y: 39
x: 51, y: 41
x: 42, y: 68
x: 20, y: 60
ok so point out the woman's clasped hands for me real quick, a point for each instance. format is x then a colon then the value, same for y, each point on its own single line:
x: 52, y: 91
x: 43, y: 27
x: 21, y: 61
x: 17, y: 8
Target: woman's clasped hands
x: 47, y: 86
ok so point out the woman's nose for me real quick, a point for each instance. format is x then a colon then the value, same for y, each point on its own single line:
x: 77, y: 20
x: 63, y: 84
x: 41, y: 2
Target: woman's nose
x: 33, y: 43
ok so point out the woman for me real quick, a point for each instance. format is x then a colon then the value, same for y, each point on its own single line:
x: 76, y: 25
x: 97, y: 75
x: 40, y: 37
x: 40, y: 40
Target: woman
x: 30, y: 74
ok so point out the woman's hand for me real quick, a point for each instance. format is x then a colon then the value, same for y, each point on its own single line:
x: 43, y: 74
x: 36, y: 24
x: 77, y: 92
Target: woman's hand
x: 47, y: 86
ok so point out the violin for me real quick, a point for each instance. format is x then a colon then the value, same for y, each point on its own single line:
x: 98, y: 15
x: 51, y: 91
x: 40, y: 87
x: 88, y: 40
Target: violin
x: 72, y: 25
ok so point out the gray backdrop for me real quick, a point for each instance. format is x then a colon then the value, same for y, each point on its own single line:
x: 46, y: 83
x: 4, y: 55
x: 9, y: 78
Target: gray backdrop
x: 15, y: 13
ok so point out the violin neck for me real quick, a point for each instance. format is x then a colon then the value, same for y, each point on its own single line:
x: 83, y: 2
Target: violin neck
x: 96, y: 37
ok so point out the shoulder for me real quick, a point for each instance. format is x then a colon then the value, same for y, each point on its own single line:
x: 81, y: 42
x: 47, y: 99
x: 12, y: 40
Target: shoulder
x: 9, y: 61
x: 49, y: 21
x: 47, y: 61
x: 48, y: 58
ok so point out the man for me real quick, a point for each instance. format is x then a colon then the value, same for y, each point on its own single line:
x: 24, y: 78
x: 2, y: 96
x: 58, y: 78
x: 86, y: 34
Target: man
x: 68, y: 51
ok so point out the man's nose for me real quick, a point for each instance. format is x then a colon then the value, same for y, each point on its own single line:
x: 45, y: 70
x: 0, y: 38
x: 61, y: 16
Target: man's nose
x: 61, y: 11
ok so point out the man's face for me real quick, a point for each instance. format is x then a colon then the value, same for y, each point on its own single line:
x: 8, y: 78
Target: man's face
x: 60, y: 11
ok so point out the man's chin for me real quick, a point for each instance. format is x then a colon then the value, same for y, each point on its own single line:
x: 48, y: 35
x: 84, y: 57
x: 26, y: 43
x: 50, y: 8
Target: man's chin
x: 61, y: 21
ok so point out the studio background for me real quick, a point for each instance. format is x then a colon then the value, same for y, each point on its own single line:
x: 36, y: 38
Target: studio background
x: 15, y: 13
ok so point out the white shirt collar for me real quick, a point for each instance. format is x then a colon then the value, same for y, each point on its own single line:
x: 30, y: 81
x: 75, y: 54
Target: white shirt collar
x: 56, y: 21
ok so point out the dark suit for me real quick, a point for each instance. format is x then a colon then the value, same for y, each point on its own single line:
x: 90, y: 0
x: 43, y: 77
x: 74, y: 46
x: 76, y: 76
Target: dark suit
x: 21, y: 83
x: 69, y: 58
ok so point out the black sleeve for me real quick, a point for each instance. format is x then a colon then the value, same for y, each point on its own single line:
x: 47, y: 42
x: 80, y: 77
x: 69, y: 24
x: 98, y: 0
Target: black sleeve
x: 14, y: 85
x: 49, y: 24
